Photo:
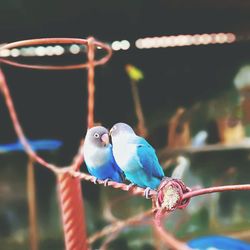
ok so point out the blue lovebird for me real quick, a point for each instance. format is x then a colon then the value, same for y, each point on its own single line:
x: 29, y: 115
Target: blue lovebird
x: 136, y: 157
x: 218, y: 242
x: 98, y: 156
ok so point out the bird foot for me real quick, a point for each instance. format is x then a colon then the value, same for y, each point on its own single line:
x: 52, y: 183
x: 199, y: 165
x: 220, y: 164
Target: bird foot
x: 130, y: 186
x: 106, y: 182
x: 95, y: 180
x: 146, y: 192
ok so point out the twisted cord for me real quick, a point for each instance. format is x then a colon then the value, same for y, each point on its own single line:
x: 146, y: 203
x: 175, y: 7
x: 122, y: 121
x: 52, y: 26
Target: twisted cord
x: 173, y: 191
x: 135, y: 190
x: 72, y: 210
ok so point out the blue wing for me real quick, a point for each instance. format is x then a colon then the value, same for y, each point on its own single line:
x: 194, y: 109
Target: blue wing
x: 109, y: 170
x: 148, y: 159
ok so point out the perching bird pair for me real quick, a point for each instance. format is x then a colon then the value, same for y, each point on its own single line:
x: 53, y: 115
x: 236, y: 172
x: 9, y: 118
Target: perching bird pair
x: 129, y: 155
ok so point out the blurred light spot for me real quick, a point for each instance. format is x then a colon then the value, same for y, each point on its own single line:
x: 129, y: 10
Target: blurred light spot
x: 49, y: 51
x: 184, y: 40
x: 5, y: 52
x: 242, y: 78
x: 74, y: 49
x: 15, y: 52
x: 58, y: 50
x: 40, y: 51
x: 206, y: 39
x: 29, y: 51
x: 124, y: 44
x: 116, y: 45
x: 138, y: 44
x: 231, y: 37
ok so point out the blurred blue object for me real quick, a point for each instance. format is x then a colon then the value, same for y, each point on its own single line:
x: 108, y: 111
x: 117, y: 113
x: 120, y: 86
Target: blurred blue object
x: 37, y: 145
x: 199, y: 139
x: 215, y: 242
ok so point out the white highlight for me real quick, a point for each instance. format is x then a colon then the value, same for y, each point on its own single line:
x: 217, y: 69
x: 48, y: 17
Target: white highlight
x: 49, y: 51
x: 40, y: 51
x: 141, y: 43
x: 5, y: 53
x: 58, y: 50
x: 115, y: 45
x: 74, y: 49
x: 184, y: 40
x: 15, y: 52
x: 242, y: 78
x: 120, y: 45
x: 124, y: 44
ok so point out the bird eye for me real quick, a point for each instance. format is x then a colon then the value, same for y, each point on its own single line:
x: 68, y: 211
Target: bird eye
x: 114, y: 128
x: 96, y: 135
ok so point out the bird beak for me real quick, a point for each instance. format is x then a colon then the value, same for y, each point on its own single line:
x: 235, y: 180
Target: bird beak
x: 105, y: 139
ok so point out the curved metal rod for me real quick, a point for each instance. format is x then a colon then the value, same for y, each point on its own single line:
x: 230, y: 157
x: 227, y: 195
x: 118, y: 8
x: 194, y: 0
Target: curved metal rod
x: 48, y: 41
x: 18, y: 128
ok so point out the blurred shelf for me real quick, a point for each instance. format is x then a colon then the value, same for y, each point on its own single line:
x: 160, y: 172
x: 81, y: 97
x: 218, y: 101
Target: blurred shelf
x: 244, y: 145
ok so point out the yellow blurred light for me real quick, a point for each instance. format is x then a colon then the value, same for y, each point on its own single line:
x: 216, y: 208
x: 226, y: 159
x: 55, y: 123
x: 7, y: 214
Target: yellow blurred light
x: 134, y: 73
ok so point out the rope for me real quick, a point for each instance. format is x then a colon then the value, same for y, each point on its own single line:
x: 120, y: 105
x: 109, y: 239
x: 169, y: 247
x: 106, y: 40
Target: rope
x: 72, y: 210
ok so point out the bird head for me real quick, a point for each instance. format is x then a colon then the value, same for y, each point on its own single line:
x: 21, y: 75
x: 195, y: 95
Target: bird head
x: 98, y: 136
x: 121, y: 129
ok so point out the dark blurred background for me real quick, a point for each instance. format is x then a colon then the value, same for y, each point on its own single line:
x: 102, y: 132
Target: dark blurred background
x: 52, y: 104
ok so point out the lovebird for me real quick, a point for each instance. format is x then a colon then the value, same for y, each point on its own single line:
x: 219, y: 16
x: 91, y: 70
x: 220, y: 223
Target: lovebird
x: 98, y: 156
x: 136, y: 157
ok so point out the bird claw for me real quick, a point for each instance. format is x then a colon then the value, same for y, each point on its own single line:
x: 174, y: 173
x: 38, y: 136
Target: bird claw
x: 106, y: 182
x: 95, y: 180
x: 131, y: 185
x: 146, y: 192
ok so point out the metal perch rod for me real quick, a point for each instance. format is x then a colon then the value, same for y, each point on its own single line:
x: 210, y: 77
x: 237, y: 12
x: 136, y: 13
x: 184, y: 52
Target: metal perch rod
x: 71, y: 201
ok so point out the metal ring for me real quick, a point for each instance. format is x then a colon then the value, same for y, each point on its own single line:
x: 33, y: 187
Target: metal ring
x: 49, y: 41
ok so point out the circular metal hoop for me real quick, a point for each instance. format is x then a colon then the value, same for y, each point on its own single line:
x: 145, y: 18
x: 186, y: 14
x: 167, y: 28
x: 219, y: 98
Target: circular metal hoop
x: 49, y: 41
